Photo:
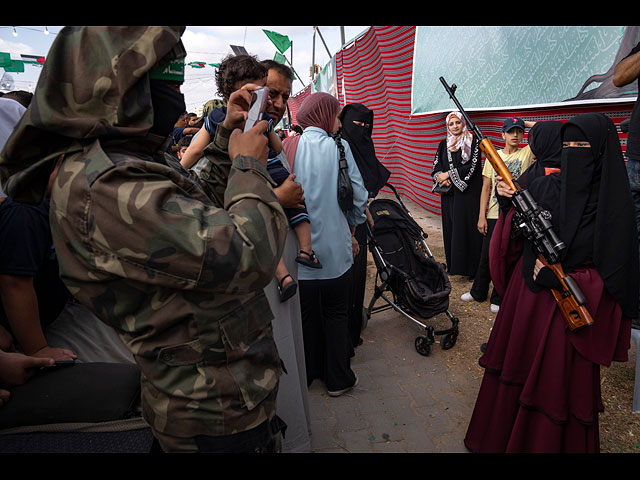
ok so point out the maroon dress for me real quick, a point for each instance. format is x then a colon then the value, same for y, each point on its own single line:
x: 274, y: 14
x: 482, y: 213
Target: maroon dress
x: 541, y: 387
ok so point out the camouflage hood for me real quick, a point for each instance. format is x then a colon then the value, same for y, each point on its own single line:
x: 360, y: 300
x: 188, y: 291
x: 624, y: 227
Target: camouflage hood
x: 94, y: 84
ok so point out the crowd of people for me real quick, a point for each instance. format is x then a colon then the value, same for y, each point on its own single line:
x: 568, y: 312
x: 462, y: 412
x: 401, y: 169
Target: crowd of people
x: 184, y: 235
x: 222, y: 263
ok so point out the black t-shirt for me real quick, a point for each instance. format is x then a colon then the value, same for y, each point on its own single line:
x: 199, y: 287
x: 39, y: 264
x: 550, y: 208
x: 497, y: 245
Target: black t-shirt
x: 633, y: 136
x: 26, y: 249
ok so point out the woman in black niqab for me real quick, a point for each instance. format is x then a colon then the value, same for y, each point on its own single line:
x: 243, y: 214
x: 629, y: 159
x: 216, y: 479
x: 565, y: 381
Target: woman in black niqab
x: 541, y: 387
x: 595, y: 214
x: 357, y: 127
x: 546, y: 145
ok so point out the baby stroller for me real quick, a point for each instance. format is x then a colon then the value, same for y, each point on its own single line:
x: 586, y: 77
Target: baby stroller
x: 419, y: 285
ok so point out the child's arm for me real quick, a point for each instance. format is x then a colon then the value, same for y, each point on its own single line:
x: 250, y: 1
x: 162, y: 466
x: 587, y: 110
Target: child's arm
x: 195, y: 151
x: 484, y: 200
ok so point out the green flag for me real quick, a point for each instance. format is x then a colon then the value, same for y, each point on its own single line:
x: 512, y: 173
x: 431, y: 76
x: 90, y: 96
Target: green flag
x: 15, y: 66
x: 278, y: 57
x: 281, y: 42
x: 5, y: 59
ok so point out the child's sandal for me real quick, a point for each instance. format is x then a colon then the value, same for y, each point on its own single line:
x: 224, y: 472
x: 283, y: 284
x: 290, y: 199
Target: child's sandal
x: 289, y: 291
x: 311, y: 262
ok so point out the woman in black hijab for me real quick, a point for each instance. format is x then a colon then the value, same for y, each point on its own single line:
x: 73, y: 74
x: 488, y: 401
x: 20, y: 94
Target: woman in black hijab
x: 357, y: 127
x: 545, y: 142
x: 541, y: 387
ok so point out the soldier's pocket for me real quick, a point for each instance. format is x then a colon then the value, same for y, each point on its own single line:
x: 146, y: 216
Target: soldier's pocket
x: 252, y: 356
x: 182, y: 355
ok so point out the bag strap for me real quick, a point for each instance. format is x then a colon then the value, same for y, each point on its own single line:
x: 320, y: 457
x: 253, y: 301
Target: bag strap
x: 342, y: 159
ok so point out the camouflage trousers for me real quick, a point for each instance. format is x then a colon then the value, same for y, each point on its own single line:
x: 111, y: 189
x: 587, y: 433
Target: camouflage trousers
x: 265, y: 438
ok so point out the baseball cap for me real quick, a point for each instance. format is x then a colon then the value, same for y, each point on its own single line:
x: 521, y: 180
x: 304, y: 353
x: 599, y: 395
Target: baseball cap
x: 512, y: 122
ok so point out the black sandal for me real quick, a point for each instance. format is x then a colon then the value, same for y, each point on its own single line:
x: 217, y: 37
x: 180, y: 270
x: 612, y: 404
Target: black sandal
x: 289, y: 291
x: 309, y: 262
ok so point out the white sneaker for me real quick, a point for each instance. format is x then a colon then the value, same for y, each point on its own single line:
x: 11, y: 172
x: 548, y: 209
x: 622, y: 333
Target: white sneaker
x: 337, y: 393
x: 495, y: 308
x: 466, y: 297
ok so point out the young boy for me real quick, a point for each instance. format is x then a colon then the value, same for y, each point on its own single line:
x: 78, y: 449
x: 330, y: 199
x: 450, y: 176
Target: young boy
x: 517, y: 161
x: 183, y: 145
x: 235, y: 72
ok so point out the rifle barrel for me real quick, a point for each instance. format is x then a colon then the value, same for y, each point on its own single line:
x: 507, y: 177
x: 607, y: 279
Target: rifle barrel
x: 472, y: 126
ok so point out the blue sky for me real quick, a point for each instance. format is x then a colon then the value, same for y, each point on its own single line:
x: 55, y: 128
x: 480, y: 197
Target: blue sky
x: 203, y: 43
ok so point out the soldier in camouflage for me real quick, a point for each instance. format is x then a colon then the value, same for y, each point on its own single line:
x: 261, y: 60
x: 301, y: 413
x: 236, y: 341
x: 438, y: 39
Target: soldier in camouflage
x: 176, y: 264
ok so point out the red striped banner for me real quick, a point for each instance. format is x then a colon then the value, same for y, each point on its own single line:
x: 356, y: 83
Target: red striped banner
x: 376, y: 71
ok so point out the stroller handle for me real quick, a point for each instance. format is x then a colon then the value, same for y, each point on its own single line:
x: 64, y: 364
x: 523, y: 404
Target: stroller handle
x: 393, y: 189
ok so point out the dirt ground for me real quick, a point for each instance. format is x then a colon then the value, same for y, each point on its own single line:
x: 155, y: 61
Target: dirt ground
x: 619, y: 428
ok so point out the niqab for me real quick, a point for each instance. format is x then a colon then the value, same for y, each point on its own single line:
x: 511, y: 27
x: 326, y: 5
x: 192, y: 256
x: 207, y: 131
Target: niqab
x: 593, y: 212
x: 374, y: 174
x: 546, y: 145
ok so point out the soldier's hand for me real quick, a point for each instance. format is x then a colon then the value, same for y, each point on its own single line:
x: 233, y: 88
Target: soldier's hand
x: 238, y: 107
x: 290, y: 193
x: 252, y: 143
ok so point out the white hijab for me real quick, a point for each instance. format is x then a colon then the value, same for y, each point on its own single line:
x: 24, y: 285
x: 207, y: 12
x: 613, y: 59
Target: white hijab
x: 10, y: 113
x: 462, y: 141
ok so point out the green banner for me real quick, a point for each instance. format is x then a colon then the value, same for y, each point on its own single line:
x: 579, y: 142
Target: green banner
x: 281, y: 42
x: 278, y: 57
x: 15, y: 66
x: 5, y: 59
x: 516, y: 66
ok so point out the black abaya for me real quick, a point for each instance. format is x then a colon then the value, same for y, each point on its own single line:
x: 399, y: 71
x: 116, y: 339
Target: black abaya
x: 357, y: 127
x: 460, y: 208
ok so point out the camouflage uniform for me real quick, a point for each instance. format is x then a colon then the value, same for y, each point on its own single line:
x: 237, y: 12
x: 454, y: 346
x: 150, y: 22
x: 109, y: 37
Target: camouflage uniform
x: 174, y: 263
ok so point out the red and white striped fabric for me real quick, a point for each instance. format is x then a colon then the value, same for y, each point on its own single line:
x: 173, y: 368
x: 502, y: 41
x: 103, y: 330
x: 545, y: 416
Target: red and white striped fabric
x: 376, y: 71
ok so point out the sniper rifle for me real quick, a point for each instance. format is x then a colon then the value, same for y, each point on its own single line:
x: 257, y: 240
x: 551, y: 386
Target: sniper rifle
x: 535, y: 225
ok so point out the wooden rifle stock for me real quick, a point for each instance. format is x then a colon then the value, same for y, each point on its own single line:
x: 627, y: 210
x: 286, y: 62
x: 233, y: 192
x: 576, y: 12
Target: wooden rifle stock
x: 570, y: 304
x: 570, y: 299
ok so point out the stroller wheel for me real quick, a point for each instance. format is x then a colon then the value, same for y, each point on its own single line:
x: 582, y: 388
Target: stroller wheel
x: 448, y: 340
x: 423, y: 345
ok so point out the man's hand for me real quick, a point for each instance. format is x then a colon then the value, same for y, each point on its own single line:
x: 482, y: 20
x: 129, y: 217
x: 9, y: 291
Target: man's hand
x: 252, y: 143
x: 17, y: 368
x: 290, y: 193
x: 238, y: 107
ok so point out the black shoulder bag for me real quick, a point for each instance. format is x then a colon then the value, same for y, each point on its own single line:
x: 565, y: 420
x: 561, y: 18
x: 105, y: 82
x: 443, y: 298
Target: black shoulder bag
x: 345, y: 190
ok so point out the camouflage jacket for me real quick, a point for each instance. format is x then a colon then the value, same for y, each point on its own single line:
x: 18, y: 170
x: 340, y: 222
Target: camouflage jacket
x: 150, y: 251
x: 176, y: 265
